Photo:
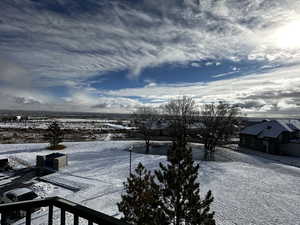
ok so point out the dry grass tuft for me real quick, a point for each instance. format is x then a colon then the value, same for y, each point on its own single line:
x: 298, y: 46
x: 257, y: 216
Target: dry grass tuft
x: 58, y: 147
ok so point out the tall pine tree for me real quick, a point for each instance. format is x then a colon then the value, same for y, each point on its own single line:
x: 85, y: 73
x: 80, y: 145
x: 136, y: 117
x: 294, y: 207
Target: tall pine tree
x: 141, y: 202
x: 180, y: 191
x: 170, y: 197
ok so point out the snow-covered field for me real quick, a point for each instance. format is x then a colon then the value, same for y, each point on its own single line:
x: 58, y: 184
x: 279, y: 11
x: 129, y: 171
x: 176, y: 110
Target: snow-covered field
x: 247, y: 190
x: 83, y: 124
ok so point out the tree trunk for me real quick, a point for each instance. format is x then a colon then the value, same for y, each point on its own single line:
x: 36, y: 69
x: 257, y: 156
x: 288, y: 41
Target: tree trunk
x: 147, y: 147
x: 212, y: 155
x: 206, y: 152
x: 209, y: 152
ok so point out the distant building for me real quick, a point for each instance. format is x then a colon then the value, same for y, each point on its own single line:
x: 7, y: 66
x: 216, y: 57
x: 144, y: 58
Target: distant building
x: 11, y: 118
x: 273, y: 136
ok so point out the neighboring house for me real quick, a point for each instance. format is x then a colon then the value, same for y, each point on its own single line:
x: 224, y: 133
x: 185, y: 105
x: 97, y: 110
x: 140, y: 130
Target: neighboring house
x: 159, y: 128
x: 273, y: 136
x: 163, y: 128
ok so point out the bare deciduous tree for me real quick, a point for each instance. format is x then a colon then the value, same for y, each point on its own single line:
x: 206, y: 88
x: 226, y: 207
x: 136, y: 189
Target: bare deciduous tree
x: 145, y: 119
x: 219, y: 125
x: 180, y: 112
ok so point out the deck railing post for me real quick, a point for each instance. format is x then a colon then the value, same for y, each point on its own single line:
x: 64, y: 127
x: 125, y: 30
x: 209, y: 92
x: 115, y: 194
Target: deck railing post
x: 65, y: 206
x: 3, y: 218
x: 62, y: 217
x: 50, y: 215
x: 28, y: 217
x: 76, y: 219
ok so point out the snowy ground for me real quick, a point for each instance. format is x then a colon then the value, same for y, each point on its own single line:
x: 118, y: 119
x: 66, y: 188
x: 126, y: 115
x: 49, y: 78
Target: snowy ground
x: 289, y: 160
x: 247, y: 189
x: 84, y: 124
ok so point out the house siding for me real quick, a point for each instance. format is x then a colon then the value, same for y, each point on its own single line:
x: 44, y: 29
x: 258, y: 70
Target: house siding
x: 270, y: 145
x: 251, y: 141
x: 292, y: 149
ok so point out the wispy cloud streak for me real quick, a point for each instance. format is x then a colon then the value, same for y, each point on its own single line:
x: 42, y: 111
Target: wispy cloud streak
x: 70, y: 38
x: 65, y: 42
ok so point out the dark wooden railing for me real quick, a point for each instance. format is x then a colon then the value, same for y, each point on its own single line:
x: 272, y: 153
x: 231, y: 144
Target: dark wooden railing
x: 78, y: 211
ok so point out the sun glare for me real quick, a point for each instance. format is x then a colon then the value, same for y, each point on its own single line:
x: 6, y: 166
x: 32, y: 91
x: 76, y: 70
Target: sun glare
x: 288, y: 36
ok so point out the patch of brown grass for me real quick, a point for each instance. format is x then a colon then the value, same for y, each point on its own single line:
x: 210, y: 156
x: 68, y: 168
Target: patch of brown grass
x: 58, y: 147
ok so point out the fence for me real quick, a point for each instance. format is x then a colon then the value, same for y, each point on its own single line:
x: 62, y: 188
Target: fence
x: 78, y: 211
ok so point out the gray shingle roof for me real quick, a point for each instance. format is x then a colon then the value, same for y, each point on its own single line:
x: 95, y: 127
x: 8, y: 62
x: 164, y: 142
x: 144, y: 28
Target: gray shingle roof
x: 272, y: 128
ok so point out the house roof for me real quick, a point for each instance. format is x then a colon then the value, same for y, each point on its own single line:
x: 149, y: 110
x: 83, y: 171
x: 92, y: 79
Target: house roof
x: 198, y: 125
x: 272, y: 128
x: 159, y: 125
x: 166, y: 124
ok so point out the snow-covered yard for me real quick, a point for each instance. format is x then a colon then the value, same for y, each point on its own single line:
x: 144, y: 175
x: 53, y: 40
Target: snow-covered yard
x: 247, y: 190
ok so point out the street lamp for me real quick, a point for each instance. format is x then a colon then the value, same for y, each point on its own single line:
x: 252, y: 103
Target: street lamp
x: 130, y: 151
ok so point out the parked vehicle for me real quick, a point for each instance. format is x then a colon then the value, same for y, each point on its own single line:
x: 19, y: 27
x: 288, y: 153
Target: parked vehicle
x: 16, y: 195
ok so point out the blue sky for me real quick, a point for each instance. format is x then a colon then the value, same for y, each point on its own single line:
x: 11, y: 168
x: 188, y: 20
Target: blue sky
x: 117, y: 55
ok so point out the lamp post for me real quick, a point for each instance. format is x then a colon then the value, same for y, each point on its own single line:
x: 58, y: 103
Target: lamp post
x: 130, y: 151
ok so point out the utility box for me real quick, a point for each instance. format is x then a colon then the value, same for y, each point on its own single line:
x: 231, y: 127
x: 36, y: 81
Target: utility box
x: 40, y: 160
x: 53, y: 161
x: 4, y: 164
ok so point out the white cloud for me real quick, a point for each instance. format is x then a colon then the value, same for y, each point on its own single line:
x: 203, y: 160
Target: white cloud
x: 82, y: 100
x: 223, y: 74
x: 275, y: 93
x: 14, y: 74
x: 151, y: 84
x: 41, y: 47
x: 277, y: 87
x: 121, y: 36
x: 194, y: 64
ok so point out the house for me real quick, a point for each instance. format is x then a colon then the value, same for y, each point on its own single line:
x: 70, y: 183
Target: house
x: 160, y: 128
x: 273, y: 136
x: 163, y: 128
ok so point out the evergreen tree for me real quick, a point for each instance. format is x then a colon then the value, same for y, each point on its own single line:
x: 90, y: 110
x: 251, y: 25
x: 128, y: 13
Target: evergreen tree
x: 170, y: 197
x: 141, y: 202
x: 180, y: 191
x: 54, y: 135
